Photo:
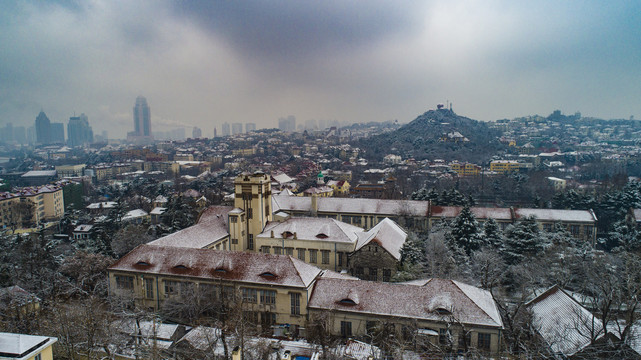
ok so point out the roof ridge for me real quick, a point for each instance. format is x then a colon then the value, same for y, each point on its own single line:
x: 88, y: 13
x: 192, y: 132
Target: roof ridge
x: 456, y: 283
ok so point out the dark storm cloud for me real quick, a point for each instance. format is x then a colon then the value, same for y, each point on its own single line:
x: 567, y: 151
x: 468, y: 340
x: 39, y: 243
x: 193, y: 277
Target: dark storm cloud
x: 207, y: 62
x: 301, y: 29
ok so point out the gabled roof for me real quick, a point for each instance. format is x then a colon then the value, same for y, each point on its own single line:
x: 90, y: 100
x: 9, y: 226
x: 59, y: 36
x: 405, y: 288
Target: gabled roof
x: 466, y: 303
x: 387, y: 234
x: 563, y: 323
x: 308, y: 228
x: 216, y: 264
x: 211, y: 227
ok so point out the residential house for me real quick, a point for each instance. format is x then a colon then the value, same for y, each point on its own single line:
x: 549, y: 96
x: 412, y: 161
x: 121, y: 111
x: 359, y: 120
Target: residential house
x: 378, y: 252
x: 26, y: 347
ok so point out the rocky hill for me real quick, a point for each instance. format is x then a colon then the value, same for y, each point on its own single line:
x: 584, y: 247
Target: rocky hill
x: 437, y: 134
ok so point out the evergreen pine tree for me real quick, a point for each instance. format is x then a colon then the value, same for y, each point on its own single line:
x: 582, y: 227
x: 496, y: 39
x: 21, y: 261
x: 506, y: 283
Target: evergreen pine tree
x: 522, y: 240
x: 493, y: 234
x: 465, y: 231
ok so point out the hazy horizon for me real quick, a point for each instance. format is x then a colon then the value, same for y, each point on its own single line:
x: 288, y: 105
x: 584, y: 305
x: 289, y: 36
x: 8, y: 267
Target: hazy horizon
x: 202, y: 63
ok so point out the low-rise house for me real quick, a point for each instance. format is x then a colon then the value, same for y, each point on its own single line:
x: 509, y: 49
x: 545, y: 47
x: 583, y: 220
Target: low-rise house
x: 137, y: 216
x: 156, y: 215
x: 83, y: 232
x: 378, y: 252
x: 26, y: 347
x: 16, y: 302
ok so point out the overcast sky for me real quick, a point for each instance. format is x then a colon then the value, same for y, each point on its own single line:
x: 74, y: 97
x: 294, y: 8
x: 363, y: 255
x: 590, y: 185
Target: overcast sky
x: 202, y: 63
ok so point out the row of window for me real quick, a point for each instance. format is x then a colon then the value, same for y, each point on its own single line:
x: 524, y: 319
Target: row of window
x: 372, y: 274
x: 211, y: 291
x: 312, y: 254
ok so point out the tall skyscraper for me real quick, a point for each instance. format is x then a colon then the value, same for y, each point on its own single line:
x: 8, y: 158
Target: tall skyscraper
x: 225, y: 129
x: 142, y: 122
x: 57, y: 133
x: 250, y: 127
x: 78, y: 131
x: 236, y: 128
x: 43, y: 129
x: 142, y: 117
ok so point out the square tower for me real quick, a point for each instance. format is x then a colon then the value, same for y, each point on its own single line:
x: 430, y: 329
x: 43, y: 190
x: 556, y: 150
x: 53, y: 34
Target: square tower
x: 253, y: 194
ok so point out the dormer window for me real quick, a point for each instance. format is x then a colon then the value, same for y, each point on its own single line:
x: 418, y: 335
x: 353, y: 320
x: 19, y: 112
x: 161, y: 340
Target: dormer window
x: 322, y: 236
x: 220, y: 271
x: 181, y: 267
x: 268, y: 275
x: 442, y: 311
x: 142, y: 263
x: 347, y: 301
x: 287, y: 234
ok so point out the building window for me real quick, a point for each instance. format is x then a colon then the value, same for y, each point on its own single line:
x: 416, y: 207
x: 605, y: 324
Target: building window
x: 325, y: 256
x: 295, y: 298
x: 547, y: 227
x: 250, y: 213
x: 125, y: 282
x: 340, y: 258
x: 149, y: 288
x: 358, y: 272
x: 443, y: 337
x: 38, y: 357
x: 264, y: 249
x: 574, y: 230
x: 233, y: 219
x: 268, y: 297
x: 464, y: 340
x: 278, y: 250
x: 171, y: 287
x: 250, y: 242
x: 346, y: 328
x: 289, y: 251
x: 484, y: 341
x: 301, y: 254
x: 387, y: 275
x: 373, y: 274
x: 589, y: 230
x: 250, y: 295
x: 312, y: 256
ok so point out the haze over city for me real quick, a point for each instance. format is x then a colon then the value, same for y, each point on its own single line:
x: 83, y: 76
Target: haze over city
x: 203, y: 63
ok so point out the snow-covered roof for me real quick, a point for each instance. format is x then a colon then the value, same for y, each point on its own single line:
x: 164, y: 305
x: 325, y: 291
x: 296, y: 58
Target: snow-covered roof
x: 102, y: 205
x: 83, y: 228
x: 39, y: 173
x: 148, y: 329
x: 316, y: 229
x: 562, y: 322
x: 133, y: 214
x: 556, y: 215
x: 211, y: 227
x: 352, y: 206
x: 387, y: 234
x: 500, y: 214
x: 218, y: 265
x: 201, y: 337
x: 23, y: 346
x: 468, y: 304
x: 282, y: 178
x: 158, y: 210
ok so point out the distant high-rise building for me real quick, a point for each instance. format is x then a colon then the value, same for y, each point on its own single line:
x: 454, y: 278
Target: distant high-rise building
x: 236, y: 128
x: 142, y: 122
x: 225, y: 129
x: 196, y: 133
x: 79, y: 132
x: 215, y: 135
x: 43, y: 129
x: 142, y: 117
x: 31, y: 135
x: 250, y: 127
x: 287, y: 124
x: 57, y: 133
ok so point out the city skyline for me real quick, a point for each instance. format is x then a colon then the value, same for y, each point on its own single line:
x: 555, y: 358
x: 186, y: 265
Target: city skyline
x: 211, y: 63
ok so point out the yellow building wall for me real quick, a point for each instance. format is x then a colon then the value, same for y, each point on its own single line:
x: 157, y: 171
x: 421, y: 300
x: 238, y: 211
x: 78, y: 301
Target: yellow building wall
x: 253, y: 194
x: 333, y: 248
x: 54, y: 206
x: 45, y: 354
x: 282, y: 306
